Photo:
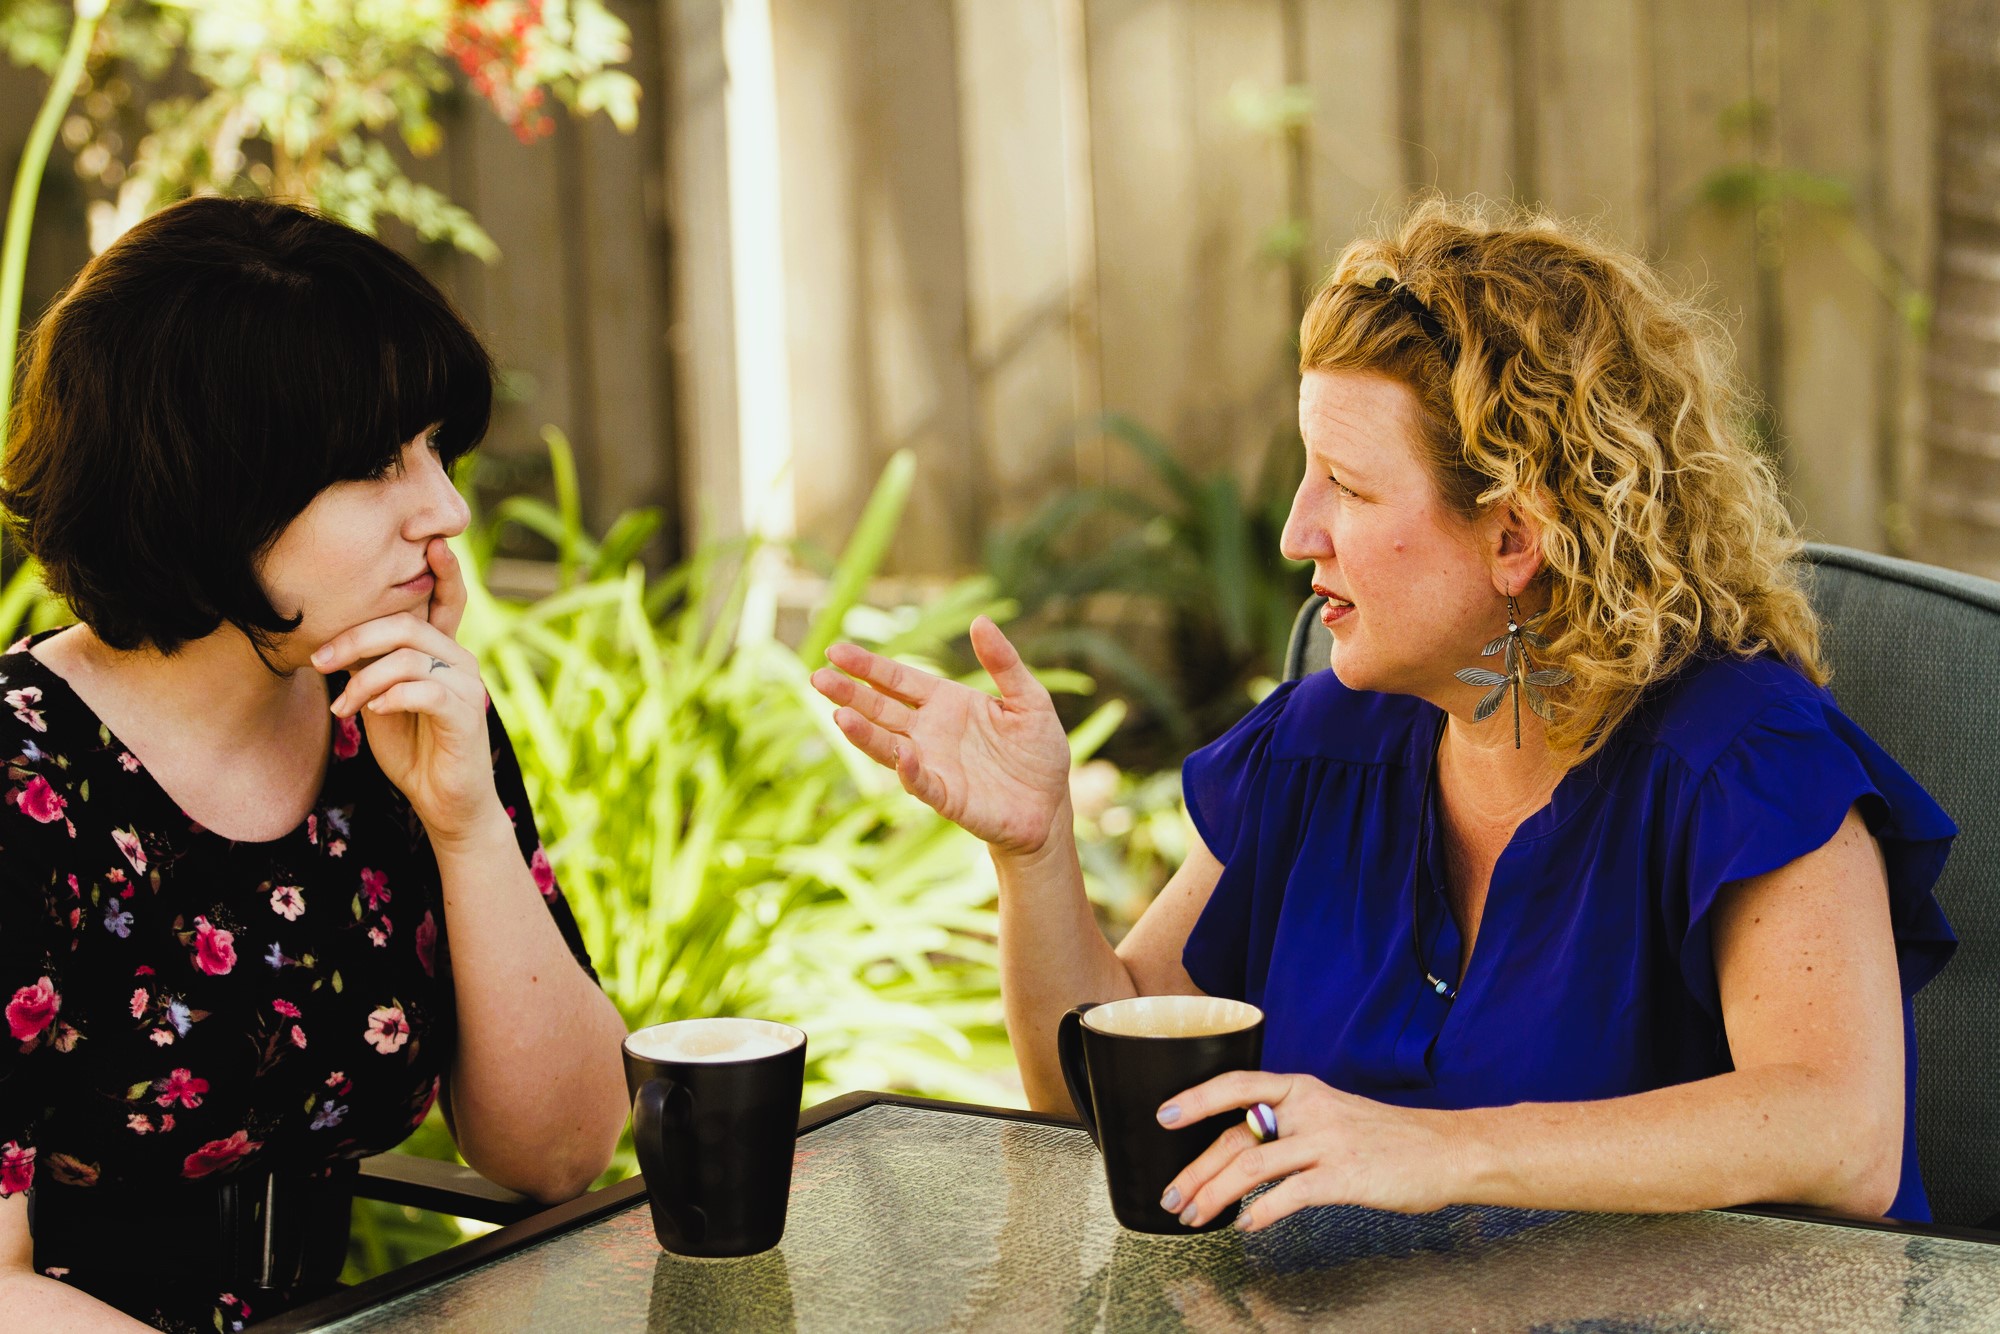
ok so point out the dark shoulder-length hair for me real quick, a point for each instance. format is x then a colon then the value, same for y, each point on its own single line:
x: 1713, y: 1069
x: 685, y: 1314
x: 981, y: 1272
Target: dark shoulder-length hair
x: 198, y: 384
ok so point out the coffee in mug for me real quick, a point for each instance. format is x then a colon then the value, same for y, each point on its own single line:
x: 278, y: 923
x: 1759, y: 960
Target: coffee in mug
x: 715, y: 1114
x: 1123, y: 1060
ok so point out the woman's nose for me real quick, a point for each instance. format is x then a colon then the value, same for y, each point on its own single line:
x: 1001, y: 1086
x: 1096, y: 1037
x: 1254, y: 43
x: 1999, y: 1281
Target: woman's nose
x: 443, y: 511
x: 1306, y: 535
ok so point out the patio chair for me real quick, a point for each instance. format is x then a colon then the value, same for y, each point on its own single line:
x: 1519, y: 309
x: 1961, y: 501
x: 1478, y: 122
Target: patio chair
x: 1916, y: 661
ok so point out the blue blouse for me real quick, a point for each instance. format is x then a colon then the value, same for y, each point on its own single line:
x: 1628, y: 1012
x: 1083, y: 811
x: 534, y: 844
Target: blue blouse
x: 1593, y: 974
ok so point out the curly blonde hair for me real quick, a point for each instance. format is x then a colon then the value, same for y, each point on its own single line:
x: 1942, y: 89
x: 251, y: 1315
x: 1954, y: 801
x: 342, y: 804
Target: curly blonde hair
x: 1561, y: 377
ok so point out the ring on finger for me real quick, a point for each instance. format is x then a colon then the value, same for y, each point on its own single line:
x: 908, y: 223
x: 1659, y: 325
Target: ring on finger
x: 1263, y: 1122
x: 438, y: 664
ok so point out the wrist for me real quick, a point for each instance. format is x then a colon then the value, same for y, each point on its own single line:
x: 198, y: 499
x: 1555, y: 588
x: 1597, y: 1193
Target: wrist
x: 1059, y: 842
x: 474, y: 834
x: 1474, y: 1148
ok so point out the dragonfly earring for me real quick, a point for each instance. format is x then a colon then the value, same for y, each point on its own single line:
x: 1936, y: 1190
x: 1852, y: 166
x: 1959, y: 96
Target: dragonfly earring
x: 1517, y: 678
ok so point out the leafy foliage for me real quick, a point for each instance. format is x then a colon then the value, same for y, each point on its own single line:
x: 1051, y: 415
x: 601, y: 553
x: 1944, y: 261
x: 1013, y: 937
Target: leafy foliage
x: 299, y: 98
x: 1204, y: 556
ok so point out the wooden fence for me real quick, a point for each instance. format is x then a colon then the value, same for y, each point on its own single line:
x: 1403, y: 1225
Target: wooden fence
x: 969, y: 227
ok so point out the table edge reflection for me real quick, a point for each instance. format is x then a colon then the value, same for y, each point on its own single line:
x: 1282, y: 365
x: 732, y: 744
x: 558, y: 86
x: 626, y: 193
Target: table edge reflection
x: 594, y: 1205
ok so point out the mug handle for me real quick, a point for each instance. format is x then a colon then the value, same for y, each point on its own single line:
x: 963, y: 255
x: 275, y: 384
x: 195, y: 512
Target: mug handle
x: 1069, y: 1052
x: 649, y: 1134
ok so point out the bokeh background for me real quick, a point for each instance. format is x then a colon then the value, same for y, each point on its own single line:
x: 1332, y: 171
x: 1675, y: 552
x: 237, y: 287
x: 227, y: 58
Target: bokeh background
x: 860, y: 317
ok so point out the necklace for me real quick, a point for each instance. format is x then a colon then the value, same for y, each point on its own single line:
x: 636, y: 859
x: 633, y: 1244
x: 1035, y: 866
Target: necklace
x: 1425, y: 880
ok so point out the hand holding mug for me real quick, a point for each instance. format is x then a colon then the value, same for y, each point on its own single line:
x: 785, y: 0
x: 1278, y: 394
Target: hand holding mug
x: 998, y: 768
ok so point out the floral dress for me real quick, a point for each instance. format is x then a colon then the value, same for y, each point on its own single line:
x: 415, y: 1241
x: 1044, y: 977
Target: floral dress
x: 180, y: 1005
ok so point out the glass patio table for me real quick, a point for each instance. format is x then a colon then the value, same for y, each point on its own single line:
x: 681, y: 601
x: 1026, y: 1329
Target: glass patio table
x: 908, y: 1214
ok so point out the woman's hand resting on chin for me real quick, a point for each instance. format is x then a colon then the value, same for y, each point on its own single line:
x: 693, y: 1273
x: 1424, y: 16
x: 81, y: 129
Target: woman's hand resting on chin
x: 998, y: 768
x: 419, y: 694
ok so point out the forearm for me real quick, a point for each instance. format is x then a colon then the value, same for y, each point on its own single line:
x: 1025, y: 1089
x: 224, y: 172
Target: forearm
x: 537, y: 1089
x: 1052, y: 957
x: 34, y: 1302
x: 1777, y: 1133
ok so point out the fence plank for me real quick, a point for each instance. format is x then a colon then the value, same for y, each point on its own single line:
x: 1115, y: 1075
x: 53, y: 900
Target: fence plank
x: 1018, y: 261
x: 1466, y: 110
x: 1830, y: 408
x: 1588, y: 77
x: 1357, y: 139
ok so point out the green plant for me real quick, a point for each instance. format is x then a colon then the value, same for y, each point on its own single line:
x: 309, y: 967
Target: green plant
x: 300, y: 98
x: 1204, y: 556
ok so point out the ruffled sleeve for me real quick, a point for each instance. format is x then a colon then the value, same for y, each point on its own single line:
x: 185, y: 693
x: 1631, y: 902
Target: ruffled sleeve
x: 1778, y: 791
x: 514, y: 796
x: 1224, y: 784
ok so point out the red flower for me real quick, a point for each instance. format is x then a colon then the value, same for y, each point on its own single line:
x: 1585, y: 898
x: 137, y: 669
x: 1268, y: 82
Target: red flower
x: 41, y: 802
x: 286, y: 1008
x: 427, y: 935
x: 181, y: 1086
x: 32, y: 1010
x: 214, y: 951
x: 346, y: 738
x: 374, y: 888
x: 218, y: 1154
x: 17, y: 1168
x: 545, y: 875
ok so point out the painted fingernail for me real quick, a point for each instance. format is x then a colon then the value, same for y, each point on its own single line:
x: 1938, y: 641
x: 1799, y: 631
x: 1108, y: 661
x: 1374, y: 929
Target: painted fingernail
x: 1171, y: 1200
x: 1242, y: 1223
x: 1187, y: 1219
x: 1170, y: 1113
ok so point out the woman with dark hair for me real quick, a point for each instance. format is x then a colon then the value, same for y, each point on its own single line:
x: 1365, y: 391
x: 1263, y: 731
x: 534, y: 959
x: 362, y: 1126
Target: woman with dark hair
x: 269, y: 882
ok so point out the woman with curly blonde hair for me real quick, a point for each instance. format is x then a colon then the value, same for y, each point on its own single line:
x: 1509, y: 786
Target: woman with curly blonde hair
x: 1569, y: 886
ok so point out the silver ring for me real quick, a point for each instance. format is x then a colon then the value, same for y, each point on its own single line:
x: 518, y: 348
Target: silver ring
x: 1263, y: 1123
x: 437, y: 663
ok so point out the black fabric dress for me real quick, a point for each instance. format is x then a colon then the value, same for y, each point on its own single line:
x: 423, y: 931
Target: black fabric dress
x: 179, y: 1005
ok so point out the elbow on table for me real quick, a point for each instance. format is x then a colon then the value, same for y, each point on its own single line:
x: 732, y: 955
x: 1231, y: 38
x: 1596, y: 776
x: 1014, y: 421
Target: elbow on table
x: 1867, y: 1172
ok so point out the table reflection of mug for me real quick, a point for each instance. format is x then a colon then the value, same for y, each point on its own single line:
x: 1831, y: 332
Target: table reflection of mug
x: 715, y: 1108
x: 1122, y: 1060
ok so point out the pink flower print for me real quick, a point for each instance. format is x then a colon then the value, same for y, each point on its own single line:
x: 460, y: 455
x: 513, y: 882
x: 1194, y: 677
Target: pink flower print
x: 388, y: 1030
x: 181, y: 1086
x: 23, y: 703
x: 32, y: 1010
x: 346, y: 738
x: 41, y: 802
x: 298, y: 1037
x: 17, y: 1168
x: 219, y: 1154
x: 128, y: 762
x: 143, y: 970
x: 139, y: 1124
x: 335, y: 1080
x: 128, y: 843
x: 139, y: 999
x: 312, y: 830
x: 427, y: 936
x: 162, y: 1037
x: 166, y: 1122
x: 378, y: 936
x: 545, y: 876
x: 374, y: 888
x: 286, y: 1008
x: 214, y: 951
x: 116, y: 876
x: 336, y: 847
x: 288, y: 901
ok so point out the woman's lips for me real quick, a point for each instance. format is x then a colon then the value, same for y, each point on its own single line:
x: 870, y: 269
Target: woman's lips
x: 423, y: 583
x: 1335, y: 611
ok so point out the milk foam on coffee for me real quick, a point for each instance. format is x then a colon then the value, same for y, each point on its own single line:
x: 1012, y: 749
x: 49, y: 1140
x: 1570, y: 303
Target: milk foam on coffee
x: 715, y: 1040
x: 1171, y: 1016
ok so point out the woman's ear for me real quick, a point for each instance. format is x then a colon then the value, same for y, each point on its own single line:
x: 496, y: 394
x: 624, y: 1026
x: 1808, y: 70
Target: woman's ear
x: 1513, y: 549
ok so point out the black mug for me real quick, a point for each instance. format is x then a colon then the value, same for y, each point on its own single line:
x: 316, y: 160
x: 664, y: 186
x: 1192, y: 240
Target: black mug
x: 715, y: 1119
x: 1123, y: 1060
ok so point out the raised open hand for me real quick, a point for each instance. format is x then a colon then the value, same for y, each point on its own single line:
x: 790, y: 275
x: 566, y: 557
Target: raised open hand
x: 998, y: 768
